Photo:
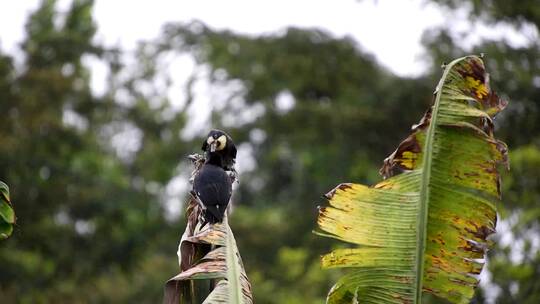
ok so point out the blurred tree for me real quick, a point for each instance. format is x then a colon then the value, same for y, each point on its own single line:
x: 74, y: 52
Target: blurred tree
x: 90, y: 219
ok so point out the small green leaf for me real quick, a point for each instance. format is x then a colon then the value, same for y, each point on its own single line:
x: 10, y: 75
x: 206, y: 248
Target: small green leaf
x: 7, y: 212
x: 4, y: 189
x: 7, y: 215
x: 5, y: 230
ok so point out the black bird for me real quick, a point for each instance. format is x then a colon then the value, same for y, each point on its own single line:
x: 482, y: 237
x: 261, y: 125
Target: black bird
x: 212, y: 184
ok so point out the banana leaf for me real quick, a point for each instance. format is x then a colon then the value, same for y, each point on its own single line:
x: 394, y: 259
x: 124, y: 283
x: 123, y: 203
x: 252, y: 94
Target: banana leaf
x: 7, y: 215
x: 424, y: 228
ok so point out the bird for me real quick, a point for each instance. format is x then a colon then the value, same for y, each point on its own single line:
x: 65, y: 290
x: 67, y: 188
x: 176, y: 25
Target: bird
x: 212, y: 184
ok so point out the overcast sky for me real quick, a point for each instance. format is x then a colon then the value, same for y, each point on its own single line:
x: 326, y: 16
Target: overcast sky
x: 389, y: 29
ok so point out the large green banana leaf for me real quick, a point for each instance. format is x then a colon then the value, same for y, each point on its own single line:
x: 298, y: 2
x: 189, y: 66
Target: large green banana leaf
x: 424, y: 228
x: 7, y: 216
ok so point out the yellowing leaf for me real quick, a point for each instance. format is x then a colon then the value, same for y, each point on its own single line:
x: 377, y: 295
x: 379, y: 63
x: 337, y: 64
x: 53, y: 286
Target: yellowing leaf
x: 425, y: 227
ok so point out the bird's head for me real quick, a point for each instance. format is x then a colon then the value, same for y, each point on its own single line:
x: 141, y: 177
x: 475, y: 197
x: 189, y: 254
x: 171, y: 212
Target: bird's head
x: 219, y: 143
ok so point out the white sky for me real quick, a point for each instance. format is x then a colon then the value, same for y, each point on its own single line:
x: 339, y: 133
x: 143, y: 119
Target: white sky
x: 389, y: 29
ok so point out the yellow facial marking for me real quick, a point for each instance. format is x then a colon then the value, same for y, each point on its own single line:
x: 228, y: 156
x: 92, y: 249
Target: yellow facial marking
x: 221, y: 143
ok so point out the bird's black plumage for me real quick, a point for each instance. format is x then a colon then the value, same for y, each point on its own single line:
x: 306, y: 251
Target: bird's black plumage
x: 213, y: 187
x: 212, y: 183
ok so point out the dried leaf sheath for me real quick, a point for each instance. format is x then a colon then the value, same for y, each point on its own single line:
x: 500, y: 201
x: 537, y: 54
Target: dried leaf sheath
x: 425, y: 226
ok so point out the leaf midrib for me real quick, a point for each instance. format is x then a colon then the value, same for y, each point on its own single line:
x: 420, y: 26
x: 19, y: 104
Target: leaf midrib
x: 233, y: 271
x: 424, y: 190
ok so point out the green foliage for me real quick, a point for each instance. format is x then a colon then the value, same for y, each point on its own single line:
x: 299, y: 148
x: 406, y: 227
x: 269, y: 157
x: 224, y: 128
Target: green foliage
x: 499, y: 10
x: 86, y: 218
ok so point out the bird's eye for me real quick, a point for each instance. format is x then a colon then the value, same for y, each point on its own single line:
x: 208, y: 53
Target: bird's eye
x: 221, y: 142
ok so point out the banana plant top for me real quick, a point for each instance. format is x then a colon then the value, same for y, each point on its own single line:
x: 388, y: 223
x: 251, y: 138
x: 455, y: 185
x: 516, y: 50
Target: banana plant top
x: 424, y: 228
x: 211, y: 267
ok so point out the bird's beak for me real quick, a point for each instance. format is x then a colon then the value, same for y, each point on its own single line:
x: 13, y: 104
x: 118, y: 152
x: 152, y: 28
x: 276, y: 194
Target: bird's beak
x: 213, y: 146
x: 212, y: 142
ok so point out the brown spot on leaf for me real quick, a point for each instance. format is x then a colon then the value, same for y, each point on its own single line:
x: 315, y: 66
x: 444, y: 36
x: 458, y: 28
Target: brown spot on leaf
x: 474, y: 73
x: 490, y: 169
x: 503, y: 149
x: 471, y: 174
x: 472, y: 67
x: 396, y: 160
x: 473, y: 246
x: 424, y: 122
x: 399, y: 158
x: 461, y: 282
x: 494, y: 104
x: 481, y: 232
